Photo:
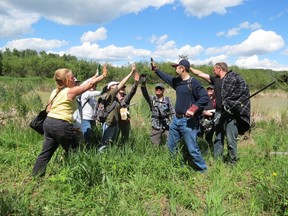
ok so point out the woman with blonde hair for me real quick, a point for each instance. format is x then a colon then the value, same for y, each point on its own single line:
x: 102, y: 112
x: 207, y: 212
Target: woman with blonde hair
x: 58, y: 126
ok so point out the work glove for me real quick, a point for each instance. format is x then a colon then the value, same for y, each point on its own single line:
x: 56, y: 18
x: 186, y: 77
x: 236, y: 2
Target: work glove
x: 143, y: 78
x: 192, y: 110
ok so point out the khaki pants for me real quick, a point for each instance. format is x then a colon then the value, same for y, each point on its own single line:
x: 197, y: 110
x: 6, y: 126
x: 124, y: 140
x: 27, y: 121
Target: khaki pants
x: 156, y: 136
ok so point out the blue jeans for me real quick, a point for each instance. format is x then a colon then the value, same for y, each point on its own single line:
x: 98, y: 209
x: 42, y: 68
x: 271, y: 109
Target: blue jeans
x: 110, y: 134
x: 56, y: 132
x: 226, y: 126
x: 87, y: 127
x: 188, y: 129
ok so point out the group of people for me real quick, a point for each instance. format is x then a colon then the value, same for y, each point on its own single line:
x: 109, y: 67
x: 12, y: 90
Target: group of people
x: 227, y: 107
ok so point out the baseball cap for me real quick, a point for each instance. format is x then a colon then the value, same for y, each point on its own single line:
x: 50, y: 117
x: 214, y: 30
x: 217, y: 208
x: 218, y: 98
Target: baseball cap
x: 210, y: 87
x: 159, y: 85
x: 112, y: 83
x: 183, y: 62
x: 76, y: 80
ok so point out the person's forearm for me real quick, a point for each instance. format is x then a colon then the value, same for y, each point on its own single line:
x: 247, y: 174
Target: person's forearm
x: 200, y: 74
x: 146, y: 95
x: 131, y: 93
x: 123, y: 82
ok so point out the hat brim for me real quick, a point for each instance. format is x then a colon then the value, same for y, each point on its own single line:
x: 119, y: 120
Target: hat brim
x: 174, y: 65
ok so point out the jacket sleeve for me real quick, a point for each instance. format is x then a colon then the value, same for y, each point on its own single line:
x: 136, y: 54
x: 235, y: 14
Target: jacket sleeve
x: 201, y: 95
x: 130, y: 95
x: 147, y: 97
x: 165, y: 77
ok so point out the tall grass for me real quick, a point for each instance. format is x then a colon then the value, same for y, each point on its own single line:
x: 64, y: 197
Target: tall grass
x: 137, y: 178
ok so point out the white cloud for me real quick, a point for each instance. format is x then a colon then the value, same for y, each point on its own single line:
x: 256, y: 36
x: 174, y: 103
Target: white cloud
x: 259, y: 42
x: 37, y: 44
x: 244, y: 25
x: 73, y: 12
x: 158, y: 40
x: 168, y: 49
x: 212, y: 59
x: 109, y: 53
x: 200, y: 8
x: 99, y: 34
x: 254, y: 62
x: 282, y: 13
x: 14, y: 21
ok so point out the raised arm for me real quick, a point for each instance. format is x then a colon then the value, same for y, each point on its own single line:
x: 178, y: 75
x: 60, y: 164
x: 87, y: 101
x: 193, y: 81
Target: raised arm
x: 201, y: 74
x: 123, y: 81
x: 146, y: 95
x: 132, y: 92
x: 77, y: 90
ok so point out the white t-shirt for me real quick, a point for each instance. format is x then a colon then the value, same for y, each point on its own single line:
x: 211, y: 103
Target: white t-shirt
x: 87, y: 110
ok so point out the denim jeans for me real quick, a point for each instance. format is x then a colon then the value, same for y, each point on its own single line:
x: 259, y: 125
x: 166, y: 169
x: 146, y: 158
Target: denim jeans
x: 110, y: 134
x: 56, y: 132
x: 87, y: 127
x: 226, y: 126
x: 188, y: 129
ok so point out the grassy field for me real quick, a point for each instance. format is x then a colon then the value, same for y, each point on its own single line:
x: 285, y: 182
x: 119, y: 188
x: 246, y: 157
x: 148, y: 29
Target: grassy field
x: 140, y: 179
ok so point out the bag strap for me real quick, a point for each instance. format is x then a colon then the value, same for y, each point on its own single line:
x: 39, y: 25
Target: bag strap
x: 189, y: 84
x: 52, y: 99
x: 85, y: 103
x: 112, y: 106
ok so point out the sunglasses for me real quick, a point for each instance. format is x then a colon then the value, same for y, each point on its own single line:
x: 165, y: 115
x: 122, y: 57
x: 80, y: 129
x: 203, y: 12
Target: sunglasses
x: 157, y: 88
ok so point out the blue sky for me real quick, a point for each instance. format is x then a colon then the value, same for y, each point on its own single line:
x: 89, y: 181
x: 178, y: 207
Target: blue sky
x: 246, y: 33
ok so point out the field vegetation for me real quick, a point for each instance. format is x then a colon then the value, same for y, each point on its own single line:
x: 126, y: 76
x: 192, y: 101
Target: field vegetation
x: 140, y: 179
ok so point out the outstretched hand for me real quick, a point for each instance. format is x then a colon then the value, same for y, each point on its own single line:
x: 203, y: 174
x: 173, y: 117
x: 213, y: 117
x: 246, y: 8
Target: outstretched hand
x: 143, y: 78
x: 153, y: 66
x: 105, y: 70
x: 133, y: 68
x: 136, y: 77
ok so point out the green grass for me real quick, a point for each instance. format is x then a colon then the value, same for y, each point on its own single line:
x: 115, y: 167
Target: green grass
x: 138, y: 179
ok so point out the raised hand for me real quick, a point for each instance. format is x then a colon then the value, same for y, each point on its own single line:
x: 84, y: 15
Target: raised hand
x: 153, y: 65
x: 136, y: 77
x: 133, y: 68
x: 105, y: 70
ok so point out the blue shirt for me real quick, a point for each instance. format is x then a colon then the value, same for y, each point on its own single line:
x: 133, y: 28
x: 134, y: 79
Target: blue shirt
x: 185, y: 97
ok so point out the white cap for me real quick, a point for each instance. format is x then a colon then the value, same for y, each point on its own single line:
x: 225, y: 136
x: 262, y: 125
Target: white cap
x: 112, y: 83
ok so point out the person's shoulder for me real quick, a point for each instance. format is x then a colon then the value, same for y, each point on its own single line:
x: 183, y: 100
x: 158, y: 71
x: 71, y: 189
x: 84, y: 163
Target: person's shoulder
x: 176, y: 80
x: 194, y: 81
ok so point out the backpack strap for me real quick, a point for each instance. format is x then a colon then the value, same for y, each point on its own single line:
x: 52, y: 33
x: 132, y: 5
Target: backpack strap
x: 111, y: 107
x: 153, y: 100
x: 189, y: 84
x: 167, y: 99
x: 85, y: 103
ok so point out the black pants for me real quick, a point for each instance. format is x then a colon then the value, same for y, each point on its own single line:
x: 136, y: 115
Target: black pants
x: 55, y: 132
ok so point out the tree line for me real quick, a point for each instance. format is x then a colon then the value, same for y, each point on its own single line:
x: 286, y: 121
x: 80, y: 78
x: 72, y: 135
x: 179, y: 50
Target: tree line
x: 30, y: 63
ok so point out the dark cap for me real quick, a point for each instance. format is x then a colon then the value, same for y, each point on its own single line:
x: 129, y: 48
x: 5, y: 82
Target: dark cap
x: 76, y: 80
x: 183, y: 62
x: 210, y: 87
x: 159, y: 85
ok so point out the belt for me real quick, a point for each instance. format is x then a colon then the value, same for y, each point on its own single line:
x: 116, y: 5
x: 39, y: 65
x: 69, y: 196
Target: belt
x: 180, y: 115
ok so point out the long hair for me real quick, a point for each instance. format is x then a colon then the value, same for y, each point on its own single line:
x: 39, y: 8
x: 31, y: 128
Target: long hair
x: 60, y: 77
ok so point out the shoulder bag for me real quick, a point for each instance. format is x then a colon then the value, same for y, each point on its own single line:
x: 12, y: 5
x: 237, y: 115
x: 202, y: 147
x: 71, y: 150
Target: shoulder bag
x: 37, y: 123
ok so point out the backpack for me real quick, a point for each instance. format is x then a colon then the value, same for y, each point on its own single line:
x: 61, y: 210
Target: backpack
x: 100, y: 110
